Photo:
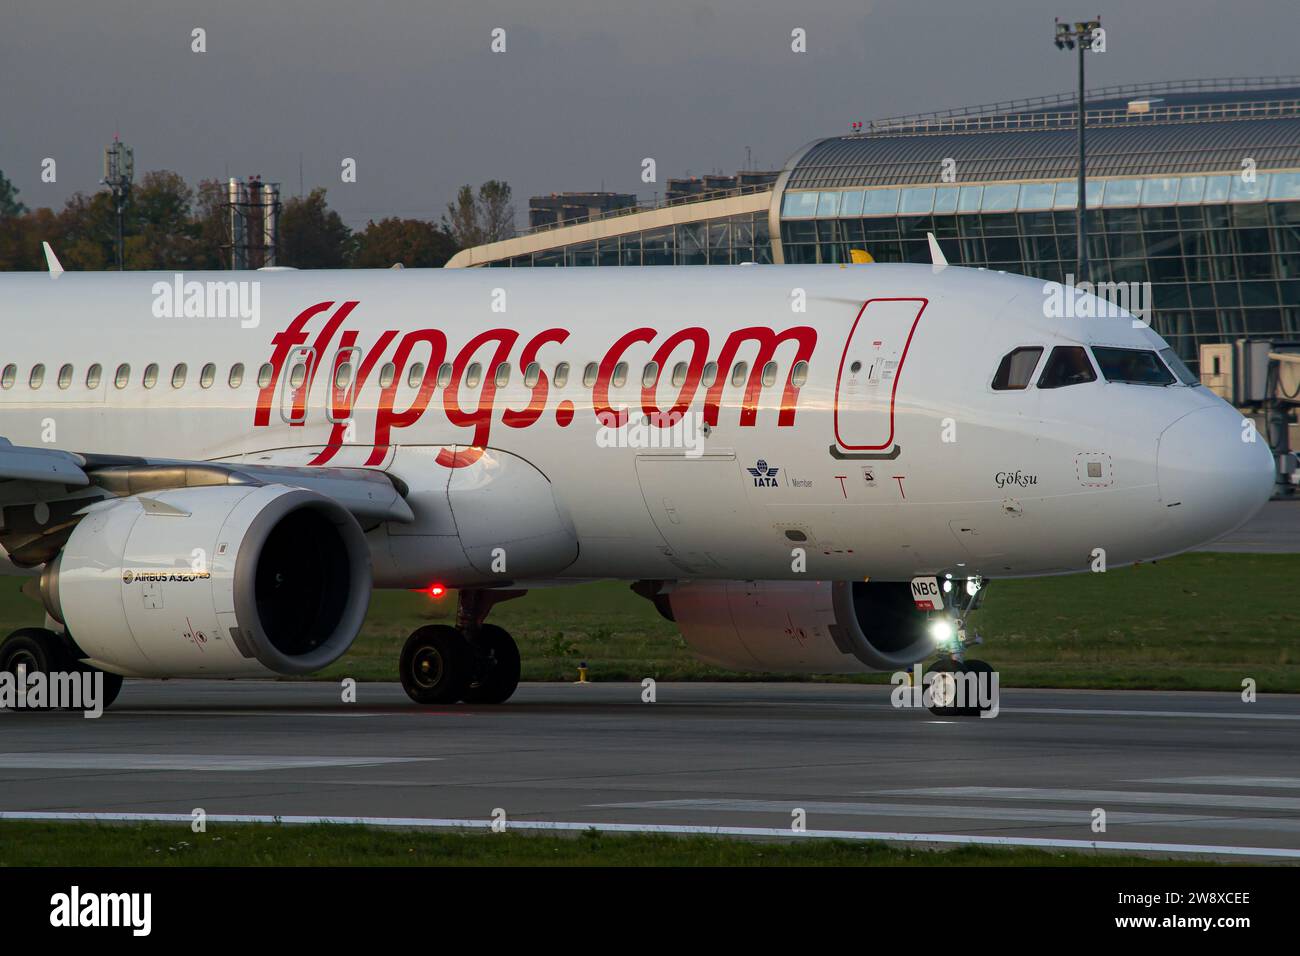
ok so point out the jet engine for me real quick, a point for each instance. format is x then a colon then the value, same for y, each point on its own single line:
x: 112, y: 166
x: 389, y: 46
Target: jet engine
x: 219, y: 581
x: 802, y: 627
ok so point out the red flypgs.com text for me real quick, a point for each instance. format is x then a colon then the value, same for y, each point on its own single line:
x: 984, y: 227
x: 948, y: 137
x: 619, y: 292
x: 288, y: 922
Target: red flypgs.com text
x: 478, y: 412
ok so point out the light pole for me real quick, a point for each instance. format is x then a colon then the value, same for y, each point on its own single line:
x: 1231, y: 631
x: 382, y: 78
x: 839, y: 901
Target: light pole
x: 1087, y: 35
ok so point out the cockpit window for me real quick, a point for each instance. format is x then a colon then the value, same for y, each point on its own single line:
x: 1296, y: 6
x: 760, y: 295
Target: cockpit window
x: 1132, y: 366
x: 1017, y: 368
x: 1181, y: 371
x: 1067, y: 365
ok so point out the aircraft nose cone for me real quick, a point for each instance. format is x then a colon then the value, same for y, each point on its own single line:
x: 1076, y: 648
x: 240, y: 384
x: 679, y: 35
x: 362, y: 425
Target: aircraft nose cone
x: 1212, y: 478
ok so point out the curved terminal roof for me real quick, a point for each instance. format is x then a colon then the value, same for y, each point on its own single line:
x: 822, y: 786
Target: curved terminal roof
x: 1181, y: 133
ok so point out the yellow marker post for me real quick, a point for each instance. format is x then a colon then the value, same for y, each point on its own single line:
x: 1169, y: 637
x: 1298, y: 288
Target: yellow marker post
x: 582, y: 673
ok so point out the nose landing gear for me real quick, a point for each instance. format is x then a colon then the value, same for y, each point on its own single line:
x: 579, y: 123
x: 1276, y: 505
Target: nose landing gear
x: 961, y: 687
x: 473, y: 662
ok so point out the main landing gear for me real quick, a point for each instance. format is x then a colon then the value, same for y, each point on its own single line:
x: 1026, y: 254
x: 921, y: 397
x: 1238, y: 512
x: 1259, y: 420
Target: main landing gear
x: 473, y: 662
x: 36, y: 650
x: 962, y: 687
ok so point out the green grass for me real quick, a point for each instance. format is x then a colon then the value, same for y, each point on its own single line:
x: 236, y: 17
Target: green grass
x: 91, y: 844
x: 1196, y: 622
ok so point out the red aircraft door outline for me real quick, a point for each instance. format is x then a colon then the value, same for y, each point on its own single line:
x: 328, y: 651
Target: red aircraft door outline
x: 855, y: 446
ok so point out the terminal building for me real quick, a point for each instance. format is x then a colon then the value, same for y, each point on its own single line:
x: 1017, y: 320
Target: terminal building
x: 1193, y: 186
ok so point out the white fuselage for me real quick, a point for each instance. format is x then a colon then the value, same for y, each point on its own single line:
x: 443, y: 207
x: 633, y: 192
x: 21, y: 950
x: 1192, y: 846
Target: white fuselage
x: 895, y: 457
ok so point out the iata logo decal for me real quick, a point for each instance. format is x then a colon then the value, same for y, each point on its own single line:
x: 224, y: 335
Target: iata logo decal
x: 764, y: 476
x: 469, y: 396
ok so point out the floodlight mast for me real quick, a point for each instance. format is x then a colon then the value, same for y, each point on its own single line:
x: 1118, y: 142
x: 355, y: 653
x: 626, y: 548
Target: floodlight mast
x: 1086, y: 35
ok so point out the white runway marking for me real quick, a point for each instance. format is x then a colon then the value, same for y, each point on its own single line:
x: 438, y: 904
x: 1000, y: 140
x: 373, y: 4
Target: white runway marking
x: 199, y: 712
x: 1261, y: 783
x: 569, y: 827
x: 116, y: 761
x: 1179, y: 714
x: 1099, y: 797
x: 1081, y: 817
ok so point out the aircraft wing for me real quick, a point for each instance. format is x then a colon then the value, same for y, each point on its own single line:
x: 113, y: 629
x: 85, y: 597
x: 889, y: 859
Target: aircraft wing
x: 40, y: 465
x: 43, y: 491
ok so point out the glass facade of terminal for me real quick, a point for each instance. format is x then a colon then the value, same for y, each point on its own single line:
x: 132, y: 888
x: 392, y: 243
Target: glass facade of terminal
x: 1222, y: 254
x: 729, y: 241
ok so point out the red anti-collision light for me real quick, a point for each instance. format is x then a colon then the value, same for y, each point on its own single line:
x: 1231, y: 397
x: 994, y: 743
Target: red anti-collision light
x: 434, y: 591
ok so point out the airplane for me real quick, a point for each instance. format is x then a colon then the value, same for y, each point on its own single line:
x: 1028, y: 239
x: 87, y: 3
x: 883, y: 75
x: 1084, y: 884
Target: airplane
x: 810, y: 469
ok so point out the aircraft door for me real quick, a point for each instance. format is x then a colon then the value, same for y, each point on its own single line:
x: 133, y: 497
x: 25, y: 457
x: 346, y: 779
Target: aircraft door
x: 870, y: 368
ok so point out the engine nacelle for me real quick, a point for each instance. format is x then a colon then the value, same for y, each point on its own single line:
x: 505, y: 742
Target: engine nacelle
x: 223, y: 581
x: 802, y: 627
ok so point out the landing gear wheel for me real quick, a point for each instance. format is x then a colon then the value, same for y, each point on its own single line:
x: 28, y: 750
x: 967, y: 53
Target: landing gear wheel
x: 977, y: 668
x: 35, y: 650
x: 436, y: 665
x: 498, y: 667
x: 943, y: 689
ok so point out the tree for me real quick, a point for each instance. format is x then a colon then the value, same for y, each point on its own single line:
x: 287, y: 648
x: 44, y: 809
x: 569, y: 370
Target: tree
x: 10, y: 207
x: 489, y: 217
x: 497, y: 211
x: 312, y: 236
x: 160, y: 230
x: 211, y: 225
x: 86, y: 232
x: 415, y: 243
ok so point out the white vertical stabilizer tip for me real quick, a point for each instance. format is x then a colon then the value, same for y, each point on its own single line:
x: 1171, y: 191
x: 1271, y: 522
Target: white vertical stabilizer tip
x: 936, y: 254
x: 51, y: 260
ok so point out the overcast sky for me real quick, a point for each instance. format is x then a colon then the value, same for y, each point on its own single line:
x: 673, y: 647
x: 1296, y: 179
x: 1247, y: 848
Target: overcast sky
x: 584, y: 91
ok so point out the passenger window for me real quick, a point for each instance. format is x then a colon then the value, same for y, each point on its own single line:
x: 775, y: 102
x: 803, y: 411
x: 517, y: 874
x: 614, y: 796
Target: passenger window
x: 769, y: 374
x: 650, y: 375
x: 122, y: 377
x: 531, y: 374
x: 150, y: 375
x: 679, y: 374
x: 710, y: 374
x: 1016, y: 370
x: 236, y: 375
x: 416, y: 375
x: 444, y: 374
x: 739, y: 373
x: 1132, y: 366
x: 178, y: 375
x: 343, y: 376
x: 562, y: 375
x: 207, y: 375
x: 37, y: 378
x: 620, y: 375
x: 8, y: 375
x: 503, y: 375
x: 297, y: 375
x: 264, y: 375
x: 94, y: 375
x: 1181, y: 371
x: 473, y: 375
x: 589, y: 374
x: 65, y: 376
x: 387, y: 374
x: 1067, y: 365
x: 799, y: 374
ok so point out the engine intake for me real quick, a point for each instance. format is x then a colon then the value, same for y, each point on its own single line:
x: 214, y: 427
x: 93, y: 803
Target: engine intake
x: 213, y: 581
